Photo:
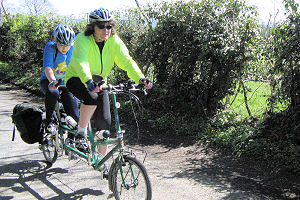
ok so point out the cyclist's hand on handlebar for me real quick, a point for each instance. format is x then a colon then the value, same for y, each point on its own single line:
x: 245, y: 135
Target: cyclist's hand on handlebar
x: 92, y: 87
x: 147, y: 82
x: 53, y: 85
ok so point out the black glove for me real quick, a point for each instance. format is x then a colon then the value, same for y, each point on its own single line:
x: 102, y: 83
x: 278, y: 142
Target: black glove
x: 148, y: 80
x: 90, y: 85
x: 52, y: 83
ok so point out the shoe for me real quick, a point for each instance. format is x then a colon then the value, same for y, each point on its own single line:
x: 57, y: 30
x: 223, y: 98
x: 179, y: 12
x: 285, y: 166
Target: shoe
x: 81, y: 143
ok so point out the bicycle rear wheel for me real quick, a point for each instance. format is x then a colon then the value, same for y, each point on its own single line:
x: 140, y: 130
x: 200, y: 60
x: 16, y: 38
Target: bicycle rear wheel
x: 136, y: 183
x: 49, y: 149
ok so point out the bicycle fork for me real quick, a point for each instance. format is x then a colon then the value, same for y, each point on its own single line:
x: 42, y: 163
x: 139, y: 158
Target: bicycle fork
x: 134, y: 177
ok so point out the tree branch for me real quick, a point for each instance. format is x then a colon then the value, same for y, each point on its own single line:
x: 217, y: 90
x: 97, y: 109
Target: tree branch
x: 149, y: 23
x: 246, y: 98
x: 3, y: 9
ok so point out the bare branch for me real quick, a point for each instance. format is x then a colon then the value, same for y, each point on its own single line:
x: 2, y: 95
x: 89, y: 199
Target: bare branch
x: 149, y: 23
x: 37, y: 7
x: 3, y: 9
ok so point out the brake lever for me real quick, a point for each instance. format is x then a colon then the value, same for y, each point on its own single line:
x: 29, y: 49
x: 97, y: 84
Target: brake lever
x: 145, y: 92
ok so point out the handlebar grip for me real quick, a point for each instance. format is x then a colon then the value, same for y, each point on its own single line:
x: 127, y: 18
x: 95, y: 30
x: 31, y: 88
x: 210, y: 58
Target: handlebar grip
x: 54, y: 83
x: 93, y: 95
x: 101, y: 83
x: 104, y: 87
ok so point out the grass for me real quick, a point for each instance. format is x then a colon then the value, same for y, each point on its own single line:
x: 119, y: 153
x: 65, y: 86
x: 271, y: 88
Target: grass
x: 257, y: 94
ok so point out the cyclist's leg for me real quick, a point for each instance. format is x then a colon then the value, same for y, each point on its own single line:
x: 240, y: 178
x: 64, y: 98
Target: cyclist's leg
x: 101, y: 119
x: 86, y: 110
x: 51, y: 97
x: 78, y: 89
x: 47, y: 145
x: 70, y: 104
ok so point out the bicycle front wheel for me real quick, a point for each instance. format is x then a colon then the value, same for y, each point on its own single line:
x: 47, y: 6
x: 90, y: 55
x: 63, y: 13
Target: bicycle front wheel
x: 129, y: 180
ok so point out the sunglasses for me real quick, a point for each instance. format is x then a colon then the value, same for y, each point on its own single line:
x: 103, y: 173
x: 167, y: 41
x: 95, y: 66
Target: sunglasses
x: 101, y: 26
x: 63, y: 45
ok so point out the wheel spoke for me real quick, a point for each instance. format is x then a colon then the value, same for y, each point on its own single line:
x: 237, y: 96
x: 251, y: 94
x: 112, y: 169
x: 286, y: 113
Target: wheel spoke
x: 49, y: 150
x: 136, y: 183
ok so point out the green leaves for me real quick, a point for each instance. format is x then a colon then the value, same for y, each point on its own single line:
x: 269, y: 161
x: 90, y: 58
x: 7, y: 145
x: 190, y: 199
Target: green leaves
x: 24, y: 38
x: 197, y: 49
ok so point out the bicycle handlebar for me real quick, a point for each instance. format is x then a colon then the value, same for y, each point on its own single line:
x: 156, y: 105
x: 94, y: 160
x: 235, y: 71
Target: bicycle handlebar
x: 116, y: 89
x: 123, y: 88
x: 58, y: 82
x: 130, y: 86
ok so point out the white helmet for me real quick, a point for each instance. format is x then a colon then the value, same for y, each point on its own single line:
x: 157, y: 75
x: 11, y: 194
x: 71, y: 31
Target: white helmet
x: 64, y: 34
x: 100, y: 15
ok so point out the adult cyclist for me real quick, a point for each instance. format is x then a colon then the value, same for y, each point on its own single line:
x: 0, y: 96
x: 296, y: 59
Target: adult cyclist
x: 56, y: 58
x: 95, y: 52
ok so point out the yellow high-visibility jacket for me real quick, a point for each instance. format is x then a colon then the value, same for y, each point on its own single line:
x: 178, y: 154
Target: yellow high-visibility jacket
x: 87, y: 60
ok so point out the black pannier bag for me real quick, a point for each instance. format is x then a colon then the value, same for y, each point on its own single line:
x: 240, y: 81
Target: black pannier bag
x: 28, y: 120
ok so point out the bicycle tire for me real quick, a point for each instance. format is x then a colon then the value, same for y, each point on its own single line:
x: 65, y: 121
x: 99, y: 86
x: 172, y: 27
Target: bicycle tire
x: 59, y: 138
x: 49, y: 150
x: 136, y: 177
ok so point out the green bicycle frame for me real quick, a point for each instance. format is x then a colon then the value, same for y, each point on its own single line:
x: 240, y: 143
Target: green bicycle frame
x: 96, y: 162
x: 95, y: 159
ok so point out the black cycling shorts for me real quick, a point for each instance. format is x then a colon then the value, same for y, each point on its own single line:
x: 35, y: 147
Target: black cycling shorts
x: 79, y: 90
x: 101, y: 119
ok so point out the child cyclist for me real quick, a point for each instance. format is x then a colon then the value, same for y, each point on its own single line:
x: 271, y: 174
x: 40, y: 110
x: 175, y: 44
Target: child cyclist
x: 56, y: 58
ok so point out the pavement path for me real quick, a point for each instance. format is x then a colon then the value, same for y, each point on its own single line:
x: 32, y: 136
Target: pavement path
x: 176, y: 173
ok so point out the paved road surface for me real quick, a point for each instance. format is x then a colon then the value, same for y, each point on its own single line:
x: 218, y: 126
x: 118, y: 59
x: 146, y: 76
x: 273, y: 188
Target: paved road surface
x: 181, y: 173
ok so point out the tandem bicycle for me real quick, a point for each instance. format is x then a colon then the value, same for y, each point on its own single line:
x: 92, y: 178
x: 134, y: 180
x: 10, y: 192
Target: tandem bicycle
x: 127, y: 175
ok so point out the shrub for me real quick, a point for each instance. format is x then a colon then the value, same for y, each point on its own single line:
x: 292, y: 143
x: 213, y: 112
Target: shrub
x: 197, y: 51
x: 284, y: 46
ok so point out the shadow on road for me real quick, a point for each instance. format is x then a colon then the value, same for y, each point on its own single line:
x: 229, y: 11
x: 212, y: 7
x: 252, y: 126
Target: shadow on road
x: 237, y: 176
x: 240, y: 176
x: 24, y: 173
